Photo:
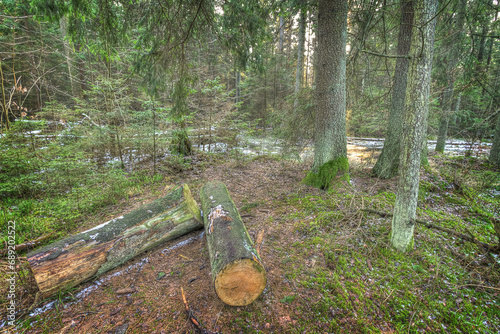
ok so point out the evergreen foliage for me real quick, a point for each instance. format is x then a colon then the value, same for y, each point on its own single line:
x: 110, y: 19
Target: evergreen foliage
x: 92, y: 89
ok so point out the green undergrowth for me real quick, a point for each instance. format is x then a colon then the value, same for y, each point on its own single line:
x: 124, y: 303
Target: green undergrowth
x: 349, y: 279
x: 462, y: 193
x: 56, y: 186
x: 64, y: 213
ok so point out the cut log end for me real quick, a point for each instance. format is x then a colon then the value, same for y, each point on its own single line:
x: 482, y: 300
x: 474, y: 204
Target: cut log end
x: 240, y: 282
x: 75, y: 259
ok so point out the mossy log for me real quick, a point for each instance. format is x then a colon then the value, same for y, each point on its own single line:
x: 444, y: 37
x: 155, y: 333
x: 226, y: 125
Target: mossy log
x: 237, y: 270
x: 68, y: 262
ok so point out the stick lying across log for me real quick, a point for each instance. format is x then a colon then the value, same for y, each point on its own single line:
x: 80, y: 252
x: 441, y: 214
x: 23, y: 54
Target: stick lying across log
x: 237, y: 270
x: 70, y: 261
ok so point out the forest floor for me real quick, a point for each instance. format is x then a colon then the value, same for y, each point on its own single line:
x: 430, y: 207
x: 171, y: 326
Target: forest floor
x: 330, y: 267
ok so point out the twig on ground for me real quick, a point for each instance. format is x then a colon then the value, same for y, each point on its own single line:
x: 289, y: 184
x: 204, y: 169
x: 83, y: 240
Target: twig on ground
x: 185, y: 257
x: 478, y: 286
x: 191, y: 317
x: 29, y: 244
x: 259, y: 240
x: 390, y: 293
x: 411, y: 320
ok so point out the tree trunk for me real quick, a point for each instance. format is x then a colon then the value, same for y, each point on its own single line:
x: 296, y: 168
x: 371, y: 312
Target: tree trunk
x: 282, y: 23
x: 237, y: 270
x: 495, y: 148
x: 300, y: 57
x: 237, y: 75
x: 388, y: 162
x: 68, y: 262
x: 5, y: 111
x: 414, y: 126
x: 444, y: 120
x: 330, y: 142
x: 451, y: 73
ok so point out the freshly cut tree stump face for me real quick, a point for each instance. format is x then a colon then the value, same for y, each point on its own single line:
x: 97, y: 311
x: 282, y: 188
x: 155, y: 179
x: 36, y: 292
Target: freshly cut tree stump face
x: 237, y: 270
x: 241, y: 282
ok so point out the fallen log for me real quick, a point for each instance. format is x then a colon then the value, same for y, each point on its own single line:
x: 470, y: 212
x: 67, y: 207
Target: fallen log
x: 68, y: 262
x: 237, y: 270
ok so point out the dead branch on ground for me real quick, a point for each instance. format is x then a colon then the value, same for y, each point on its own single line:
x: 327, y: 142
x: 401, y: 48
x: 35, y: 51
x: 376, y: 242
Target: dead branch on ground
x: 197, y: 326
x: 470, y: 238
x: 29, y: 244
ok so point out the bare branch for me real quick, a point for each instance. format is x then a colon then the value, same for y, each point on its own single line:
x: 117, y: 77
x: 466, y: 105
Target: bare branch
x: 386, y: 56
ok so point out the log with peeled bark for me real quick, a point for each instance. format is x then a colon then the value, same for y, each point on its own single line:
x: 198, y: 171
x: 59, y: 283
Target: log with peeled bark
x: 68, y: 262
x: 237, y: 270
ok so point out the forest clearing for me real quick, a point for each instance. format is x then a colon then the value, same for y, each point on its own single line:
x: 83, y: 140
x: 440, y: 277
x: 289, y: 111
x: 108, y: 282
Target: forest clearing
x: 205, y: 166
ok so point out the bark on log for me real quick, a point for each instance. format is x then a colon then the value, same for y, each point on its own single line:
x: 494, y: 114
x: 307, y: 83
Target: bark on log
x: 238, y: 273
x: 68, y: 262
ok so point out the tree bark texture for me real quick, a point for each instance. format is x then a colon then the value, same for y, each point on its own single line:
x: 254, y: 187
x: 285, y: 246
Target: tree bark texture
x: 495, y: 148
x: 388, y: 162
x: 68, y: 262
x: 451, y: 74
x: 414, y: 126
x: 330, y: 141
x: 237, y: 75
x: 238, y: 273
x: 281, y: 28
x: 300, y: 57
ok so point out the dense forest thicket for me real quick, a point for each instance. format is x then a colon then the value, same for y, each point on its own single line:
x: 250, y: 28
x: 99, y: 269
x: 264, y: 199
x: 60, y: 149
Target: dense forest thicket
x: 104, y: 102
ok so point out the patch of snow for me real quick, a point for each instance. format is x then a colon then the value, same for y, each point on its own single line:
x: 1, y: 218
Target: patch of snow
x: 103, y: 224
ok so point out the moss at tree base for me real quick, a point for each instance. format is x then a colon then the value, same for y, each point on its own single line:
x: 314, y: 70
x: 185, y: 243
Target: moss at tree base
x: 180, y: 143
x: 328, y: 172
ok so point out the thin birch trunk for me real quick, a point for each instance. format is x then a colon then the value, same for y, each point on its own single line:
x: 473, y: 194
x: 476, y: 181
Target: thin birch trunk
x: 414, y: 126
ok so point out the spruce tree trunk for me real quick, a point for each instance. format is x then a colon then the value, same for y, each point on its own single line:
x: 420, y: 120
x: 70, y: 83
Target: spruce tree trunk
x: 282, y: 23
x: 237, y: 78
x: 300, y: 57
x: 330, y: 139
x: 451, y: 73
x: 237, y: 270
x: 444, y: 118
x: 495, y: 148
x: 71, y: 261
x: 414, y: 126
x: 386, y: 166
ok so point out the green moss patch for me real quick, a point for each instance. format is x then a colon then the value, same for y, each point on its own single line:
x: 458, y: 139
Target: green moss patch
x: 328, y: 172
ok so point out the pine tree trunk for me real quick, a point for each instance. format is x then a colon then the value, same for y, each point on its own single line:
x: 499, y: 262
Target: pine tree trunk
x: 451, y: 73
x: 330, y: 140
x: 281, y: 28
x: 237, y: 78
x: 387, y: 164
x: 300, y: 57
x: 71, y: 261
x: 237, y: 270
x: 414, y: 126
